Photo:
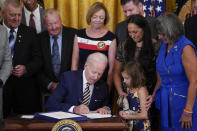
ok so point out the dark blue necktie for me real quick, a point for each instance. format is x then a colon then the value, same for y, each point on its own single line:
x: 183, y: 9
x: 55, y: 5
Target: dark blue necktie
x: 55, y: 57
x: 11, y: 41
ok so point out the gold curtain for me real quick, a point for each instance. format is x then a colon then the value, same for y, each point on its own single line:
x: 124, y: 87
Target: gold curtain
x: 186, y: 9
x: 170, y: 5
x: 73, y: 12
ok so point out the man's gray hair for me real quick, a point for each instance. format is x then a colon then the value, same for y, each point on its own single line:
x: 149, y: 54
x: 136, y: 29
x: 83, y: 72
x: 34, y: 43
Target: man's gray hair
x: 98, y: 58
x: 48, y: 12
x: 14, y: 3
x: 170, y: 26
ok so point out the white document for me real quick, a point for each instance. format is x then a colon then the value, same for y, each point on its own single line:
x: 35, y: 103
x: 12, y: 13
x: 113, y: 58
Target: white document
x: 60, y: 115
x: 93, y: 115
x: 27, y: 116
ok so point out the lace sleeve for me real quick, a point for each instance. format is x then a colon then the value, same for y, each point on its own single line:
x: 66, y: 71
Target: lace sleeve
x: 120, y: 53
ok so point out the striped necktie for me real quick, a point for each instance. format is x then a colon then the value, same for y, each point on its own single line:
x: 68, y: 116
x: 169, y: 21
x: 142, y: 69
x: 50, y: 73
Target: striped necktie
x: 86, y: 95
x: 11, y: 41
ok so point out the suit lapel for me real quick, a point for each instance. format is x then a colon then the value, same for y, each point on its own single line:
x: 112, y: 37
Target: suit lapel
x: 19, y: 44
x: 42, y: 23
x: 93, y: 95
x: 19, y: 40
x: 95, y: 89
x: 80, y: 85
x: 23, y: 17
x: 48, y: 51
x: 64, y: 51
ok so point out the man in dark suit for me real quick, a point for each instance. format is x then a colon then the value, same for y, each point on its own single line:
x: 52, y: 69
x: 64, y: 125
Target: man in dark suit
x: 20, y: 94
x: 62, y: 36
x: 191, y: 27
x: 33, y: 9
x: 70, y: 95
x: 132, y: 7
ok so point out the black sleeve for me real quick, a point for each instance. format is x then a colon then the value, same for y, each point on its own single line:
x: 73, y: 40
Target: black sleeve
x: 1, y: 83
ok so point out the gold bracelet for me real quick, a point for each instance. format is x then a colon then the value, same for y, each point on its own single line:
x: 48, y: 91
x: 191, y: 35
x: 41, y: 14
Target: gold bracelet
x: 186, y: 111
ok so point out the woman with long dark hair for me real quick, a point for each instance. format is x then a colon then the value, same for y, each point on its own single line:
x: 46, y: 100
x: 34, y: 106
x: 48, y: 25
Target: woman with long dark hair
x: 138, y: 46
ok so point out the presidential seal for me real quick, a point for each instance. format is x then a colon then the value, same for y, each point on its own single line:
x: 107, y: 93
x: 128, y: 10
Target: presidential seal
x: 66, y: 125
x: 101, y: 45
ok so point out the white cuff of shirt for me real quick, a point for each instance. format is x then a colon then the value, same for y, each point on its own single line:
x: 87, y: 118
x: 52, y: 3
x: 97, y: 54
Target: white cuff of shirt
x: 49, y: 85
x: 71, y: 109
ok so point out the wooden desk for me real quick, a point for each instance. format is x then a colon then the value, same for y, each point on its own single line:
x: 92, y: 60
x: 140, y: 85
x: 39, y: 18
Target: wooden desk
x: 109, y: 124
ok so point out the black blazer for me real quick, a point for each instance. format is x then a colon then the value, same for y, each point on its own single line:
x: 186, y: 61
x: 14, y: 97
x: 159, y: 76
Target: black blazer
x: 191, y: 29
x: 27, y: 50
x: 47, y: 75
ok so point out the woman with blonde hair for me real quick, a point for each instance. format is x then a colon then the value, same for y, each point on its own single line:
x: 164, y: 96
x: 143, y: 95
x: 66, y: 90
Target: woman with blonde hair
x: 95, y: 38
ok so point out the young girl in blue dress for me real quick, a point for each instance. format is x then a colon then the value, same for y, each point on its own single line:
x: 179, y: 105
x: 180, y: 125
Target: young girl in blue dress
x: 133, y: 106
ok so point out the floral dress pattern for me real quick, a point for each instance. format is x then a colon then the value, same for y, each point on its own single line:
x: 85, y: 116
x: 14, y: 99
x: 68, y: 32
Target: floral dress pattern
x: 134, y: 104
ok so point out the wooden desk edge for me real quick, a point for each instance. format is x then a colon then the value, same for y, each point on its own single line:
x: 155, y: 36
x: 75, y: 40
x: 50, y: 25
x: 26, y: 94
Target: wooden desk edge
x: 49, y: 125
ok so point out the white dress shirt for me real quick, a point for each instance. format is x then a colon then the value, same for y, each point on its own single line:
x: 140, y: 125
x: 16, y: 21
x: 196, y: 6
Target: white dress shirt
x: 36, y: 18
x: 8, y: 30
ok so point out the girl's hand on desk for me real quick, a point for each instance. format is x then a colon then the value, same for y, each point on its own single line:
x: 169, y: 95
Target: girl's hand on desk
x: 123, y: 114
